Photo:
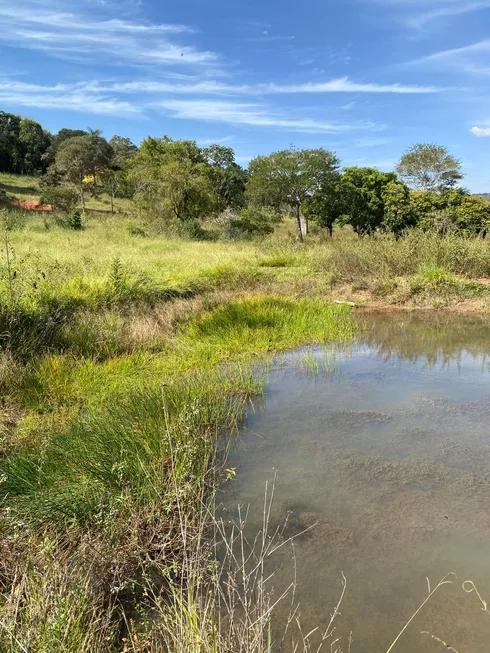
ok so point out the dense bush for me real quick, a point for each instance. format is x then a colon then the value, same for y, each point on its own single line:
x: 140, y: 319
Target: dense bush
x: 62, y: 198
x: 74, y: 220
x: 253, y: 221
x: 455, y: 211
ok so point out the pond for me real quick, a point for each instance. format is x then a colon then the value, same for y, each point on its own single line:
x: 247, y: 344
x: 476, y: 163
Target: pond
x: 385, y: 449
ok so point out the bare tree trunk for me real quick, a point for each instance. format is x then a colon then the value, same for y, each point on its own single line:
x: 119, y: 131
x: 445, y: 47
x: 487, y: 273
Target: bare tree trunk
x: 307, y: 226
x: 112, y: 200
x: 82, y: 194
x: 298, y: 220
x: 330, y: 230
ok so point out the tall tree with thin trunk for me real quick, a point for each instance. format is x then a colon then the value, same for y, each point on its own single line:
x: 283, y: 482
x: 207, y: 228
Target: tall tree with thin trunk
x: 427, y: 166
x: 83, y: 156
x: 289, y: 178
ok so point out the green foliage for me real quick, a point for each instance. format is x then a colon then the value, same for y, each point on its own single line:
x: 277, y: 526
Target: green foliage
x: 23, y: 143
x: 452, y: 211
x: 74, y: 220
x: 227, y: 179
x: 123, y: 151
x: 62, y: 198
x: 63, y: 135
x: 426, y: 202
x: 253, y: 221
x: 472, y: 216
x: 83, y: 156
x: 364, y: 193
x: 429, y: 167
x: 280, y: 260
x: 398, y: 212
x: 289, y: 177
x: 34, y: 143
x: 326, y: 204
x: 170, y: 180
x: 97, y: 466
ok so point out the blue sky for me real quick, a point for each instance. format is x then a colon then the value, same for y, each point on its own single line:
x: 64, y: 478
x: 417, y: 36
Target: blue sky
x: 365, y: 78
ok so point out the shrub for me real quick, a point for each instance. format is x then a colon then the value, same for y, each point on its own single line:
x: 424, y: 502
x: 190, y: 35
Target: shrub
x: 74, y: 220
x: 61, y: 198
x: 253, y: 221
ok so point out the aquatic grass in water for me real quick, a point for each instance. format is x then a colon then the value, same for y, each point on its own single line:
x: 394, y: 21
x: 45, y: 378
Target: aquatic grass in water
x: 267, y: 324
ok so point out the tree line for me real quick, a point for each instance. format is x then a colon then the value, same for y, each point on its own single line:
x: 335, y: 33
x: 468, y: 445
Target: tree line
x: 176, y: 182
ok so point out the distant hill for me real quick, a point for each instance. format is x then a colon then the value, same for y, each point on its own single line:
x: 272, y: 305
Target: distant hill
x: 485, y: 196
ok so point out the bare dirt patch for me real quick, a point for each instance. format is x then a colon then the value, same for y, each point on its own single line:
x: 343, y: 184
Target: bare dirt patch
x: 32, y: 205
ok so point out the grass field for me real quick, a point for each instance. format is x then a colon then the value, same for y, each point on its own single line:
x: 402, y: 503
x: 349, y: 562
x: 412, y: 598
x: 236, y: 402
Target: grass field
x: 127, y: 360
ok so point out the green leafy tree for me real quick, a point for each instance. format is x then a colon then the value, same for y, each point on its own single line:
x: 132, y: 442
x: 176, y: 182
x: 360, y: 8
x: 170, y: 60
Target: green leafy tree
x: 426, y: 202
x: 23, y: 144
x: 113, y: 178
x: 83, y: 156
x: 123, y: 151
x: 326, y: 204
x: 171, y: 181
x: 429, y: 167
x: 364, y: 190
x: 34, y: 143
x: 11, y: 158
x: 472, y: 216
x: 56, y: 142
x: 289, y: 178
x: 398, y: 211
x: 228, y: 180
x: 455, y: 211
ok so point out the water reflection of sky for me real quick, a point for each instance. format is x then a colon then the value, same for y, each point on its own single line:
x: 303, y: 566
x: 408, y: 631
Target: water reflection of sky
x: 388, y: 450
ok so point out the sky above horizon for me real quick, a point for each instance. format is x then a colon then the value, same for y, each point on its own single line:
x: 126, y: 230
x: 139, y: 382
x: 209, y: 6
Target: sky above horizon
x: 364, y: 78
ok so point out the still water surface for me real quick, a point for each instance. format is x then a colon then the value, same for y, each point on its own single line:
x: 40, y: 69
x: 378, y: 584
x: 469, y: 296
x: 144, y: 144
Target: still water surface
x: 388, y: 452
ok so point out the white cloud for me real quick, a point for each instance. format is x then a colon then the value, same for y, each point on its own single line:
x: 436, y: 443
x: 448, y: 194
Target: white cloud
x: 472, y: 59
x: 253, y: 114
x: 372, y: 142
x: 481, y: 132
x: 267, y: 38
x: 419, y: 13
x: 61, y: 96
x: 345, y: 85
x: 342, y: 85
x: 214, y: 141
x: 38, y: 25
x: 449, y: 9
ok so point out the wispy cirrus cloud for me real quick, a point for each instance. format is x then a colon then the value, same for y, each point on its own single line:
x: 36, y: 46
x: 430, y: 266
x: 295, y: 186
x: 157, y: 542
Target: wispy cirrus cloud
x: 446, y: 10
x: 74, y: 97
x: 112, y: 97
x: 170, y: 71
x: 473, y: 58
x: 217, y: 140
x: 212, y: 87
x: 254, y: 114
x: 420, y: 13
x: 43, y: 25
